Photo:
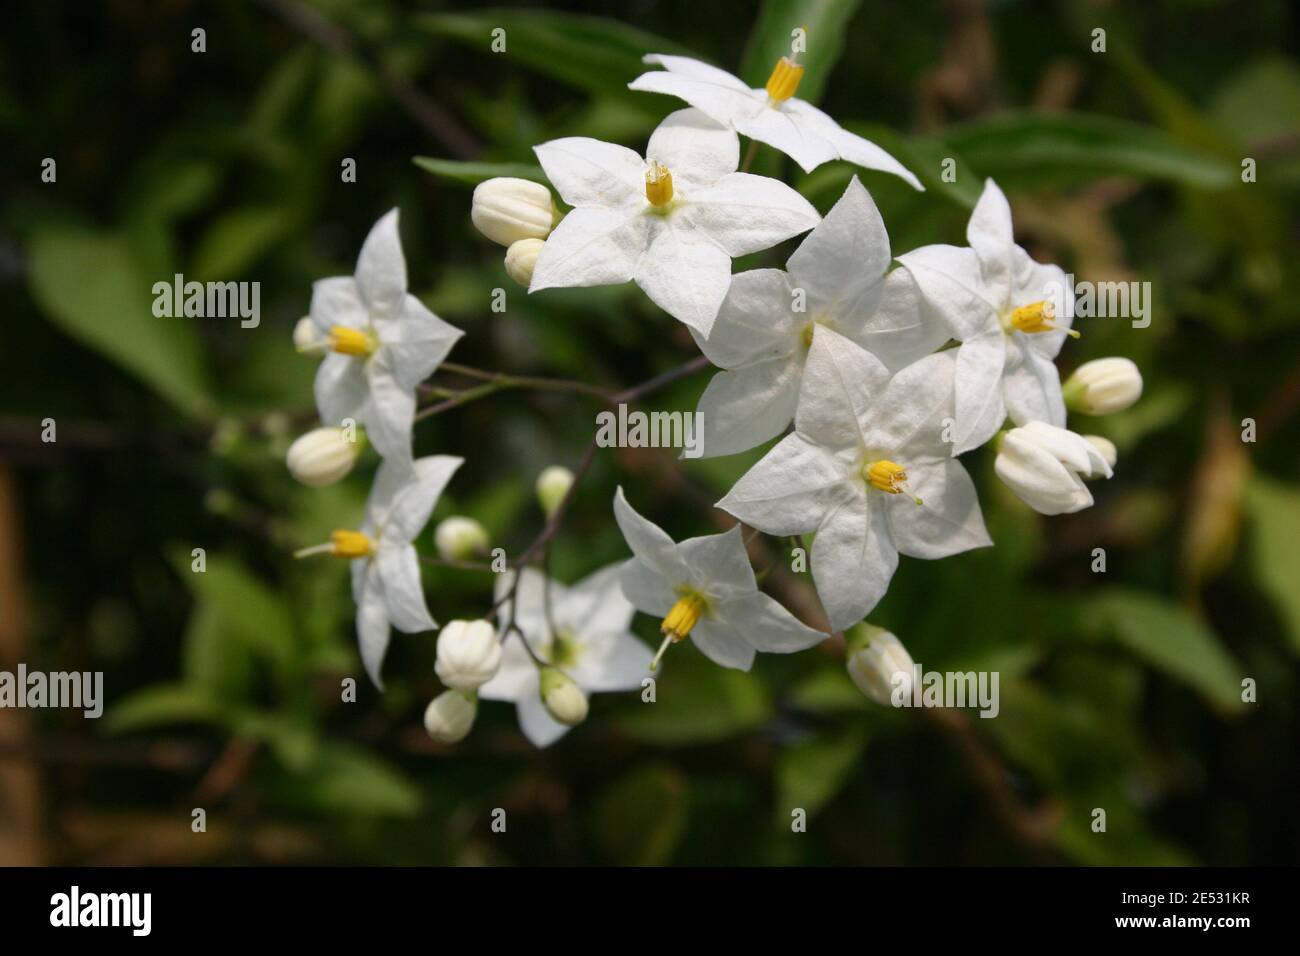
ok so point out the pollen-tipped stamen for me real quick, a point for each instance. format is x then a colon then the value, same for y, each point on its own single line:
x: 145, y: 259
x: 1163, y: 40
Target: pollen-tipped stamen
x: 889, y: 477
x: 350, y: 341
x: 784, y: 81
x: 1037, y: 317
x: 658, y: 184
x: 342, y: 544
x: 681, y: 618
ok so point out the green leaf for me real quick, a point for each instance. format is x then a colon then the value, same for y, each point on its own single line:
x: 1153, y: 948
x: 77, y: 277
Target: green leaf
x: 237, y: 239
x: 252, y: 613
x: 1274, y: 509
x: 698, y: 701
x: 163, y: 704
x: 640, y: 818
x: 828, y: 690
x: 474, y: 173
x: 292, y: 740
x: 1037, y: 149
x: 825, y: 23
x: 89, y: 284
x: 591, y: 53
x: 1171, y: 639
x: 348, y: 781
x: 811, y: 772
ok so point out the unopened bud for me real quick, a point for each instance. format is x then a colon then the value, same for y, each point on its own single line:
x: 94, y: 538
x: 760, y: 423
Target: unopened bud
x: 563, y: 698
x: 552, y: 485
x: 459, y: 538
x: 521, y: 258
x: 1103, y: 386
x: 323, y: 456
x: 468, y: 654
x: 506, y: 210
x: 878, y: 662
x: 450, y: 715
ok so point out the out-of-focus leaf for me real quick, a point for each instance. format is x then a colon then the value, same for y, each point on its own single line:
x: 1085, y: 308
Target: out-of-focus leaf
x: 474, y: 173
x: 811, y: 772
x: 349, y: 782
x: 91, y: 287
x: 1172, y: 640
x: 211, y: 661
x: 1029, y: 148
x: 829, y: 690
x: 640, y: 818
x: 237, y: 239
x: 292, y: 740
x: 591, y: 53
x: 1213, y: 522
x: 1274, y: 510
x: 697, y: 701
x: 163, y: 704
x: 824, y: 23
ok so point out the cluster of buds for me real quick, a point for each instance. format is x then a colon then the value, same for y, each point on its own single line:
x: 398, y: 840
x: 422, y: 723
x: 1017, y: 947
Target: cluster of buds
x: 518, y: 214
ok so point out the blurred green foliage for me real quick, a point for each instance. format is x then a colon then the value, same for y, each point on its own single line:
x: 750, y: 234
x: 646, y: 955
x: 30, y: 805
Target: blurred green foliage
x: 1120, y: 691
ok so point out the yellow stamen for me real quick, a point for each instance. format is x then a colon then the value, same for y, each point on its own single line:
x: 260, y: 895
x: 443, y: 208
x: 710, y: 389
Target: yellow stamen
x: 783, y: 82
x: 658, y: 184
x: 808, y: 331
x: 888, y: 476
x: 350, y: 544
x: 350, y: 341
x: 683, y: 616
x: 1037, y: 317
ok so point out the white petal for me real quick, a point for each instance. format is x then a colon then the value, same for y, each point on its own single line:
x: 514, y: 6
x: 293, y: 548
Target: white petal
x: 412, y: 504
x: 685, y: 275
x: 614, y: 662
x: 647, y: 589
x: 1031, y: 387
x: 902, y: 328
x: 783, y: 130
x: 697, y: 150
x: 592, y: 247
x: 403, y: 592
x: 341, y: 388
x: 853, y: 561
x: 948, y: 521
x: 538, y: 726
x: 979, y: 409
x: 697, y: 70
x: 372, y: 625
x: 722, y: 645
x: 719, y: 564
x: 744, y: 408
x: 989, y: 233
x: 745, y: 213
x: 842, y: 261
x: 516, y: 678
x: 381, y: 270
x: 650, y: 543
x: 337, y: 301
x: 756, y: 321
x: 762, y: 621
x: 855, y: 149
x: 841, y: 384
x: 595, y: 605
x: 949, y: 278
x: 588, y: 172
x: 390, y: 413
x: 417, y: 342
x: 916, y: 407
x: 790, y: 490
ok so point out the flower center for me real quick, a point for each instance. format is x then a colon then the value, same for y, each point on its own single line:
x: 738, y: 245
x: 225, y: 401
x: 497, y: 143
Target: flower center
x: 887, y: 476
x: 342, y: 544
x: 681, y: 618
x: 783, y: 82
x: 350, y: 341
x: 1035, y: 317
x: 658, y: 184
x: 807, y: 334
x: 563, y: 651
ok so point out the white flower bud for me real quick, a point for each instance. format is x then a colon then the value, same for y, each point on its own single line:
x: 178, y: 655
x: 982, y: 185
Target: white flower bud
x: 552, y: 485
x: 307, y: 337
x: 563, y: 698
x: 521, y: 257
x: 468, y: 654
x: 1106, y: 447
x: 506, y: 210
x: 1045, y: 467
x: 878, y: 663
x: 459, y: 539
x: 450, y: 715
x: 323, y: 456
x: 1103, y: 386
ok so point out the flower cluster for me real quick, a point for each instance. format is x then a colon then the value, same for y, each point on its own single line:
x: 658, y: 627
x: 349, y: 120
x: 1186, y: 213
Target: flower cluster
x: 887, y: 373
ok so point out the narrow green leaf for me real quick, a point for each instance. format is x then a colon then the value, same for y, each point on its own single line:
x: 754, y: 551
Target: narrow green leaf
x: 811, y: 772
x: 824, y: 22
x: 474, y: 173
x: 160, y: 705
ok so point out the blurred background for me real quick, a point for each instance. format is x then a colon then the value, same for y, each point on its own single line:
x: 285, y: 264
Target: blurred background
x: 1120, y: 691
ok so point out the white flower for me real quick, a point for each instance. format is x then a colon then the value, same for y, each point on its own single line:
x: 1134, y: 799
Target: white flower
x: 1008, y: 312
x: 323, y: 455
x: 506, y: 209
x: 875, y: 659
x: 385, y: 568
x: 562, y: 697
x: 835, y: 278
x: 384, y: 342
x: 450, y: 715
x: 521, y: 260
x: 1103, y: 386
x: 468, y: 654
x: 704, y: 587
x: 1045, y: 467
x: 459, y: 538
x: 671, y: 222
x: 771, y: 115
x: 591, y: 642
x: 1106, y: 447
x: 869, y: 470
x: 552, y: 485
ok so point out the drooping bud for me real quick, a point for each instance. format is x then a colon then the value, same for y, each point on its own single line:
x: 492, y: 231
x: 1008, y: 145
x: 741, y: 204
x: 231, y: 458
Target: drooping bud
x: 1103, y: 386
x: 1045, y: 467
x: 323, y: 455
x: 552, y: 485
x: 506, y: 210
x: 468, y: 654
x: 521, y: 259
x: 450, y: 715
x: 459, y: 538
x: 878, y: 663
x: 562, y: 697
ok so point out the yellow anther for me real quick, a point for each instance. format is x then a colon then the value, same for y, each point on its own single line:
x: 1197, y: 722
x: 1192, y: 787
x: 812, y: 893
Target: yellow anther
x: 681, y: 618
x: 1036, y: 317
x: 350, y: 544
x: 889, y: 477
x: 658, y: 184
x: 350, y: 341
x: 783, y: 82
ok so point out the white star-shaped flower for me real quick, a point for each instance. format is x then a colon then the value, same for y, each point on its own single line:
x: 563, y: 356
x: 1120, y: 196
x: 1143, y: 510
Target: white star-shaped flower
x: 671, y: 222
x: 386, y: 571
x: 591, y: 643
x: 868, y: 470
x: 382, y: 340
x: 1008, y: 311
x: 764, y: 329
x: 704, y: 587
x: 771, y: 115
